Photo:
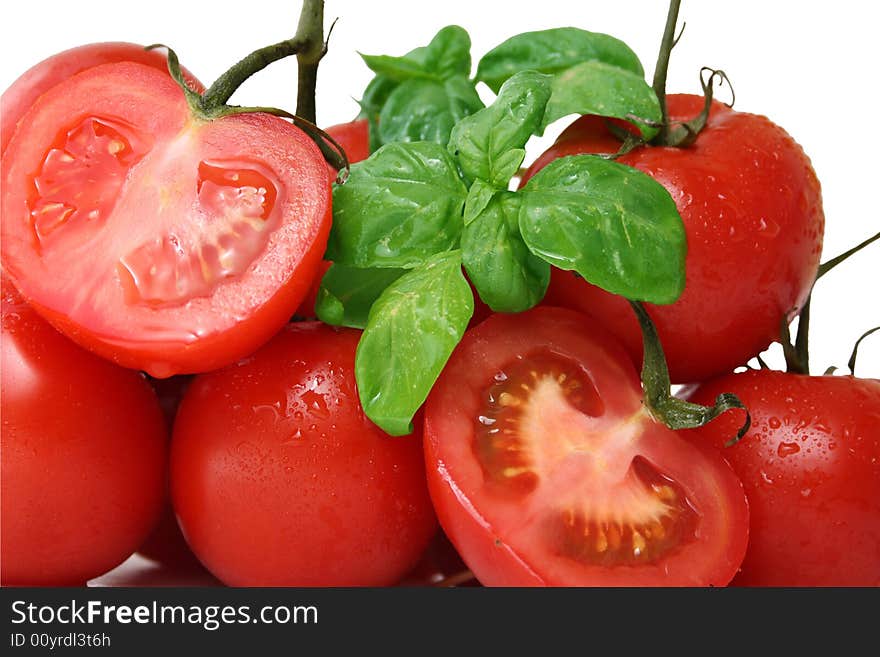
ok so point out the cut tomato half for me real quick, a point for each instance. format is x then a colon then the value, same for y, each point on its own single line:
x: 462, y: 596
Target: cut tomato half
x: 162, y: 241
x: 546, y: 468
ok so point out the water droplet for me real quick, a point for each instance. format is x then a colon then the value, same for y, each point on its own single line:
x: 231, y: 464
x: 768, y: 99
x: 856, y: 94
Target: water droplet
x: 774, y: 423
x: 806, y: 492
x: 786, y: 449
x: 766, y: 477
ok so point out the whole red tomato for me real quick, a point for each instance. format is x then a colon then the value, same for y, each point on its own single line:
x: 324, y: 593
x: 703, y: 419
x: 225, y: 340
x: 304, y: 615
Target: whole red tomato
x: 162, y: 239
x: 752, y: 211
x: 810, y: 465
x: 41, y: 77
x: 354, y: 137
x: 546, y: 468
x: 279, y: 479
x: 83, y: 456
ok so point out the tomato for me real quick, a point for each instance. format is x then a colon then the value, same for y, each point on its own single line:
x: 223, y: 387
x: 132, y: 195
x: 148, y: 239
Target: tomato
x: 354, y: 137
x: 41, y: 77
x: 752, y: 211
x: 545, y: 468
x: 279, y: 479
x: 159, y: 240
x: 811, y: 469
x: 83, y: 456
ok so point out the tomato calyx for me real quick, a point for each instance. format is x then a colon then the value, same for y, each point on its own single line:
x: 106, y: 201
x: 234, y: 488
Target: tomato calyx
x: 676, y: 413
x: 309, y: 47
x: 675, y: 134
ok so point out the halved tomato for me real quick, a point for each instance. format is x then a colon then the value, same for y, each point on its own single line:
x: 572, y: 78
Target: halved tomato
x: 160, y: 240
x: 41, y: 77
x: 546, y: 468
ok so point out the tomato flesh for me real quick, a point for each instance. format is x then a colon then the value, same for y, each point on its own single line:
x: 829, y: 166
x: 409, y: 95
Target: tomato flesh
x: 163, y: 242
x: 545, y: 468
x: 41, y: 77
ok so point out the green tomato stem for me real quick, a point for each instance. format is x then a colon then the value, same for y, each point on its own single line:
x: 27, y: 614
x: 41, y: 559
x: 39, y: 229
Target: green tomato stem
x: 310, y: 34
x: 307, y: 44
x: 797, y: 356
x: 662, y: 67
x: 673, y: 412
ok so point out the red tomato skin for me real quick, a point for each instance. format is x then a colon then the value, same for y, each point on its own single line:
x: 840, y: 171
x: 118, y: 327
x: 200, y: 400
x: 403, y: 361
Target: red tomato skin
x: 83, y: 456
x: 354, y: 137
x: 464, y: 511
x: 752, y: 210
x: 241, y: 312
x: 46, y: 74
x: 279, y: 479
x: 810, y: 465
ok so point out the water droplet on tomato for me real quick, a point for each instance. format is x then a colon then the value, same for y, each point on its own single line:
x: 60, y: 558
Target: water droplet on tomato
x: 787, y: 449
x: 774, y: 423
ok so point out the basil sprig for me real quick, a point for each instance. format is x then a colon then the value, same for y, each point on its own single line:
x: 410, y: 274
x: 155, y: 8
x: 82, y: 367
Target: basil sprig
x: 415, y: 216
x: 422, y: 94
x: 592, y: 73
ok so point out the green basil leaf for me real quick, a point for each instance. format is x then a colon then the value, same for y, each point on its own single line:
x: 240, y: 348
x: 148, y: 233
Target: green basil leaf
x: 398, y: 69
x: 398, y: 207
x: 426, y: 110
x: 614, y: 225
x: 375, y: 96
x: 605, y: 90
x: 412, y: 329
x: 553, y: 51
x: 449, y: 53
x: 508, y: 277
x: 478, y: 198
x: 380, y: 87
x: 347, y: 293
x: 489, y: 143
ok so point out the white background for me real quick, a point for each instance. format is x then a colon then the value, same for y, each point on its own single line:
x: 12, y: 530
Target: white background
x: 809, y: 66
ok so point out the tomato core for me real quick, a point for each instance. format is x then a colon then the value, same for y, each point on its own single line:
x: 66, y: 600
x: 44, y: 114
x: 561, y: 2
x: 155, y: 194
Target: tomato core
x: 236, y: 200
x: 652, y: 517
x: 541, y: 421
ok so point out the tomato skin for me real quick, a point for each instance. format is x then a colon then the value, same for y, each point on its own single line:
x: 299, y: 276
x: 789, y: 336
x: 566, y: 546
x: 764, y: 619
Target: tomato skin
x: 354, y: 137
x: 752, y: 211
x: 46, y: 74
x: 279, y: 479
x: 810, y: 465
x: 156, y: 210
x: 83, y: 456
x: 505, y: 541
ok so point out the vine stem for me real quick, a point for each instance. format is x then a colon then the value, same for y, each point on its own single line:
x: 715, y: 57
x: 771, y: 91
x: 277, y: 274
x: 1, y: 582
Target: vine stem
x: 662, y: 68
x: 308, y: 46
x: 310, y: 34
